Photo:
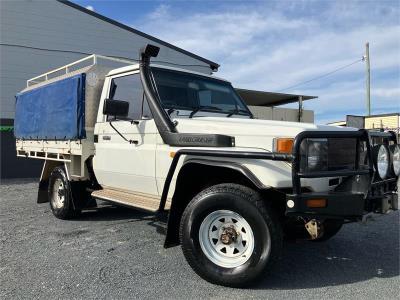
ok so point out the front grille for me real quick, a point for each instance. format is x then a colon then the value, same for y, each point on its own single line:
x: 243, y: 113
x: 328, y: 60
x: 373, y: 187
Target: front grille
x: 342, y: 154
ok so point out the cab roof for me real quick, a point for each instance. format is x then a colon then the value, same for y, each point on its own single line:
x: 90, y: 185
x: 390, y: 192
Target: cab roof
x: 135, y: 67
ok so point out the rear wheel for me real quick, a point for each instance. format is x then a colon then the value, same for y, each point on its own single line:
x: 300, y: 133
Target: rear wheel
x: 229, y: 236
x: 60, y: 195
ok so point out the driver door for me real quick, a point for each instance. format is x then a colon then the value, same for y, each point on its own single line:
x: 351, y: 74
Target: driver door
x: 126, y: 149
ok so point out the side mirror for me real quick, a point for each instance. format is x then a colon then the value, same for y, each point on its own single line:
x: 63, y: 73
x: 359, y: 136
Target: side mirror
x: 116, y: 108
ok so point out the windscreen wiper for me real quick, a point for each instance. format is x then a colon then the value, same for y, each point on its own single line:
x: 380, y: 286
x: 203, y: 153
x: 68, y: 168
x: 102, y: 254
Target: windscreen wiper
x: 170, y: 111
x: 176, y: 109
x: 203, y: 108
x: 237, y: 111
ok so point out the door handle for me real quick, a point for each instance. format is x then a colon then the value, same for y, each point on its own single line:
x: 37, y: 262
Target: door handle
x: 134, y: 142
x: 106, y: 137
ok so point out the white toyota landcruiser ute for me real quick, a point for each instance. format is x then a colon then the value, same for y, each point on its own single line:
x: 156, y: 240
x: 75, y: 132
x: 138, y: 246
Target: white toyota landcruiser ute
x: 183, y: 144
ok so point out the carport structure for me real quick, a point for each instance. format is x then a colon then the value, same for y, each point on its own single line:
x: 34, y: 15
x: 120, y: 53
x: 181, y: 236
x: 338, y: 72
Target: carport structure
x: 271, y: 99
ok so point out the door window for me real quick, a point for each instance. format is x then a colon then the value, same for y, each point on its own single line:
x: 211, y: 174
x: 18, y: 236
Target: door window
x: 129, y: 88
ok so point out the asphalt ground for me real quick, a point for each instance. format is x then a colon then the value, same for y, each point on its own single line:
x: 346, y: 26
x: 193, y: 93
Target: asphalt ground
x: 117, y: 253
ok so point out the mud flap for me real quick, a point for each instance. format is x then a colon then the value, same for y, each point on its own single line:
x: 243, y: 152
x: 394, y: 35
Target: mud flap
x: 43, y: 193
x: 80, y: 196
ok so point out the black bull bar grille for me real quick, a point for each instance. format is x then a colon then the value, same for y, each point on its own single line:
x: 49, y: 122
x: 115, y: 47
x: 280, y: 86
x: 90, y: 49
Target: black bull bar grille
x: 362, y: 136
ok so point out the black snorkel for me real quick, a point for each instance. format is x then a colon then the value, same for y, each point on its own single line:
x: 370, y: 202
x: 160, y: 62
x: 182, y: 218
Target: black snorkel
x: 165, y: 126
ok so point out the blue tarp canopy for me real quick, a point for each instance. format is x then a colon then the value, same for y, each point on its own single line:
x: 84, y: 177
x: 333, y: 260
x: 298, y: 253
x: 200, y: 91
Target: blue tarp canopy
x: 53, y: 111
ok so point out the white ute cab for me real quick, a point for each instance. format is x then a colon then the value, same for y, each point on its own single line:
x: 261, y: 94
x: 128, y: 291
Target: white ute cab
x: 184, y: 145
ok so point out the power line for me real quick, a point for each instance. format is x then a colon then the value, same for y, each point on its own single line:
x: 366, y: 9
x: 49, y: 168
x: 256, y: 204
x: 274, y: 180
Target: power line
x: 321, y: 76
x: 113, y: 56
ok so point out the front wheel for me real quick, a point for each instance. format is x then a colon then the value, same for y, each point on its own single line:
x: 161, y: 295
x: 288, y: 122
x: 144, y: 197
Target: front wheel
x: 229, y: 235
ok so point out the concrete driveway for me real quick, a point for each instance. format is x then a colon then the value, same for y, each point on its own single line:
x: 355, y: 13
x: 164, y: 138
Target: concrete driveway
x: 115, y: 252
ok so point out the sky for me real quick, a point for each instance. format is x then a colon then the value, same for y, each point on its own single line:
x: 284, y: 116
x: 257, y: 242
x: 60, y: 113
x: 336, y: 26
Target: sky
x: 274, y: 45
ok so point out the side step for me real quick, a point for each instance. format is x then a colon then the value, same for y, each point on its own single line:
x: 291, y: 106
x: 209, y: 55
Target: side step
x: 136, y: 200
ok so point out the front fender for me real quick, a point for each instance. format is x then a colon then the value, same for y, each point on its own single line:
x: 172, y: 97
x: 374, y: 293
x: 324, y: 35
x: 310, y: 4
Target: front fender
x: 262, y: 173
x: 236, y: 166
x: 272, y: 174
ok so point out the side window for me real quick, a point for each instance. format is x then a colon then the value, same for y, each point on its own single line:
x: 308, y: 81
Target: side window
x: 129, y: 88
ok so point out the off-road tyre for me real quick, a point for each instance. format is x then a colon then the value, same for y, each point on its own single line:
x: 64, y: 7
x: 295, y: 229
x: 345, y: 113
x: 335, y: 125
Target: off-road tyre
x: 259, y: 215
x: 60, y: 185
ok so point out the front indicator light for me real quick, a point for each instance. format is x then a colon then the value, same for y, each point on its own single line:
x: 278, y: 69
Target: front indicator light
x: 316, y: 203
x: 284, y: 145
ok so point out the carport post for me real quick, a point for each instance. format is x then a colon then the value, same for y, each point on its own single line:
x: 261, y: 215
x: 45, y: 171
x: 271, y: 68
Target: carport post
x: 300, y: 108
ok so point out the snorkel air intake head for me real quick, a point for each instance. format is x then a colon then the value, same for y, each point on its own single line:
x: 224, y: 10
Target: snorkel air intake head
x: 147, y: 52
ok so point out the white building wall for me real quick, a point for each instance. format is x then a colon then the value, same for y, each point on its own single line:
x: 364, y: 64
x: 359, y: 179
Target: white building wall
x: 54, y: 25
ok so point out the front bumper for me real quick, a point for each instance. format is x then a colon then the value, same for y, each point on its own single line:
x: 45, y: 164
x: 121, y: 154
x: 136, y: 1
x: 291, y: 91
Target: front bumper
x: 359, y: 193
x: 341, y: 205
x: 337, y: 205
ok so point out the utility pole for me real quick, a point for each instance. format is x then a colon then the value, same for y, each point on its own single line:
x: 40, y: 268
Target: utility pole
x: 367, y: 79
x: 300, y: 116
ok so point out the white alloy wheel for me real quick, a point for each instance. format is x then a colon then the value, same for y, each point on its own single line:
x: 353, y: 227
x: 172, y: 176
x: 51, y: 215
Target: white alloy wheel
x: 226, y: 238
x: 58, y: 198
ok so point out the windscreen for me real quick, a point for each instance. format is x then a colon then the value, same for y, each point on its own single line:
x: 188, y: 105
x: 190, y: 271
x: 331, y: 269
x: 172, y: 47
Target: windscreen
x: 186, y: 91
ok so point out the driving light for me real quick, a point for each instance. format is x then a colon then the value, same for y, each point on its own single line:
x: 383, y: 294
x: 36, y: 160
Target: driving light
x: 395, y: 151
x: 381, y: 160
x: 283, y: 145
x: 290, y: 203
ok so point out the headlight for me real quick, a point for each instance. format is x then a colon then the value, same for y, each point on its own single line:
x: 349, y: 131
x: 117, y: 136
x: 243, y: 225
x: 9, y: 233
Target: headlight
x: 381, y: 157
x: 395, y: 151
x: 314, y: 154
